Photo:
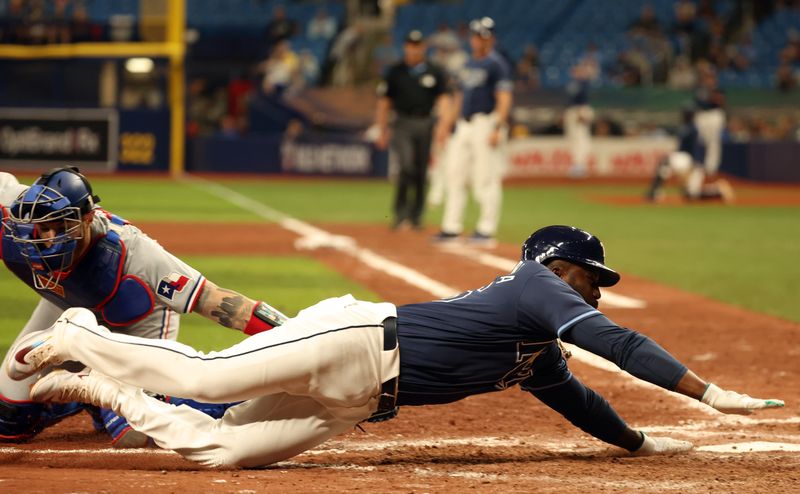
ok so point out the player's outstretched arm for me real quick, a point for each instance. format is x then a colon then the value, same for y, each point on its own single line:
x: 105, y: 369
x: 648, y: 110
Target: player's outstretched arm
x: 647, y: 360
x: 589, y: 411
x: 725, y: 401
x: 233, y: 310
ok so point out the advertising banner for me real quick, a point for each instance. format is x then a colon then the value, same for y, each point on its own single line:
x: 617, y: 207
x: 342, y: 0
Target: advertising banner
x: 332, y: 154
x: 609, y: 157
x: 144, y: 139
x: 40, y: 138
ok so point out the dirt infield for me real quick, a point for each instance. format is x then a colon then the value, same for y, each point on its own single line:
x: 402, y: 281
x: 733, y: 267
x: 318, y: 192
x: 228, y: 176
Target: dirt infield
x: 501, y: 442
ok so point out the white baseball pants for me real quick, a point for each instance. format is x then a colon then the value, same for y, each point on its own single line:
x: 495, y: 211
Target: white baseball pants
x: 681, y: 164
x: 578, y: 132
x: 314, y: 377
x: 710, y: 124
x: 471, y: 160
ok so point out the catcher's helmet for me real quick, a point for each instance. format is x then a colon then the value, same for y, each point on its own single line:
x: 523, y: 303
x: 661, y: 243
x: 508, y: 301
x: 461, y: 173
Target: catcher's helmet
x: 571, y: 244
x: 59, y: 199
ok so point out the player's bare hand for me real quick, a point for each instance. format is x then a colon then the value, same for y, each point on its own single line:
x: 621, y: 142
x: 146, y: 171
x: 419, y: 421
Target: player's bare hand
x: 732, y: 402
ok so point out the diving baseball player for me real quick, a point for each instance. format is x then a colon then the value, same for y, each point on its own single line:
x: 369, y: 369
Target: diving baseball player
x: 343, y: 361
x: 74, y: 254
x: 685, y: 164
x: 476, y: 152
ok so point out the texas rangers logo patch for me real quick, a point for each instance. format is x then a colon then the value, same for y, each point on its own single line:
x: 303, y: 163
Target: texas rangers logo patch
x: 174, y: 283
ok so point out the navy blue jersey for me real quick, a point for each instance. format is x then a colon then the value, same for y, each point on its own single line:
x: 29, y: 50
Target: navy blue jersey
x: 708, y: 98
x: 480, y: 79
x: 578, y: 93
x: 486, y: 339
x: 689, y: 141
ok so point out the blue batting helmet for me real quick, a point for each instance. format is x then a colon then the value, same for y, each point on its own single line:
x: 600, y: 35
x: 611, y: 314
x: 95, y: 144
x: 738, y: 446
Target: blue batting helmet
x: 59, y: 198
x: 570, y: 244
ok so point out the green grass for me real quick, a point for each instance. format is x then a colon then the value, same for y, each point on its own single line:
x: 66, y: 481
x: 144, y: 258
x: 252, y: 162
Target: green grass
x: 288, y: 283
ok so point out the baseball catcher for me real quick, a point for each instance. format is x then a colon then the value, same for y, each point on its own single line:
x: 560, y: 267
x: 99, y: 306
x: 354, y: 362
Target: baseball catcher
x: 72, y: 253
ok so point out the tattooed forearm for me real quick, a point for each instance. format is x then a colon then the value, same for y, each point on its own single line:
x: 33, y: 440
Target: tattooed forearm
x: 229, y: 311
x: 228, y: 308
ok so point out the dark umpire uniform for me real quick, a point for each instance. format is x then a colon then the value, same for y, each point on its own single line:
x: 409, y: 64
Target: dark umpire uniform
x: 412, y: 88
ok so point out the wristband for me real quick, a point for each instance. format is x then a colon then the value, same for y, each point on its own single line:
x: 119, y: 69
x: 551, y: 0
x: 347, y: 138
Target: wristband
x: 263, y: 318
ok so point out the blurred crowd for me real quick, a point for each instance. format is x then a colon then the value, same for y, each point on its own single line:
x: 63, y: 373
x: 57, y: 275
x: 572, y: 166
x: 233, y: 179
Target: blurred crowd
x: 656, y: 54
x: 39, y: 22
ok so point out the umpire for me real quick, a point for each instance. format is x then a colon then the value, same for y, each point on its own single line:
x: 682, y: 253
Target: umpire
x: 412, y: 88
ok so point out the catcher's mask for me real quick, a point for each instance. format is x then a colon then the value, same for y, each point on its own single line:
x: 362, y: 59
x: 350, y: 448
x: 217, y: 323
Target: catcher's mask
x: 55, y: 203
x: 571, y: 244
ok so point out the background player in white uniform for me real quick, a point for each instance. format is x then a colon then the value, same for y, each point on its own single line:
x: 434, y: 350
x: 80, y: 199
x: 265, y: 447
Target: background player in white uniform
x: 710, y: 117
x: 476, y: 153
x: 74, y: 254
x: 578, y: 118
x: 342, y: 361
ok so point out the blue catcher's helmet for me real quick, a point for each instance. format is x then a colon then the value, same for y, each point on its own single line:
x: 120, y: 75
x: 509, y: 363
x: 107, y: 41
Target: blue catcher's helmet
x: 57, y: 200
x: 571, y: 244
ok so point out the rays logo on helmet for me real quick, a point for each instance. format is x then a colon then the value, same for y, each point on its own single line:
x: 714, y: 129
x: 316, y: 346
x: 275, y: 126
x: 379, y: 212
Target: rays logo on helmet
x: 171, y: 284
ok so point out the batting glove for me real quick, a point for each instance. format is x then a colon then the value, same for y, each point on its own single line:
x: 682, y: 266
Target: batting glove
x: 661, y: 446
x: 733, y: 402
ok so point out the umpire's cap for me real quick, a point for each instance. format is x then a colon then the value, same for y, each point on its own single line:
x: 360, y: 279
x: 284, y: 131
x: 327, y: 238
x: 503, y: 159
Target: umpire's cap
x: 415, y: 36
x: 483, y: 27
x: 571, y: 244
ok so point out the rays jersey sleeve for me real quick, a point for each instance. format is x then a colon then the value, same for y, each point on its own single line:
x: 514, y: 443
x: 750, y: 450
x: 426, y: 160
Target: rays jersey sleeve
x: 174, y: 283
x: 549, y: 303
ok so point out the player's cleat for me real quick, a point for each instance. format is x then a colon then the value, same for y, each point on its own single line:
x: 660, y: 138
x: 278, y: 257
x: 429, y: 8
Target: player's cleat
x: 578, y: 173
x: 62, y: 386
x: 662, y: 446
x: 726, y: 191
x: 654, y: 196
x: 37, y: 350
x: 480, y: 240
x: 34, y: 352
x: 444, y: 237
x: 400, y: 224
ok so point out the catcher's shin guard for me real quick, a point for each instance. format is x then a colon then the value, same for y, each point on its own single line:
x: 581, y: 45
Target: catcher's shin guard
x: 22, y: 420
x: 122, y: 435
